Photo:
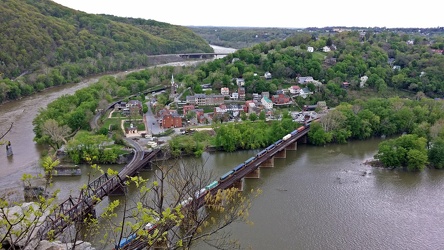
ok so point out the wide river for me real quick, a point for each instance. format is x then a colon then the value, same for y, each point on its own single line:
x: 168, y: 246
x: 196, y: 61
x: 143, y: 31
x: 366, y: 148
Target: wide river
x: 316, y: 198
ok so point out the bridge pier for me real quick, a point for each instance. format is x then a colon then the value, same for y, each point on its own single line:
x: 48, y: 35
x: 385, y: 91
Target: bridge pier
x: 292, y: 146
x: 239, y: 185
x: 146, y: 167
x: 281, y: 154
x: 269, y: 163
x: 255, y: 174
x: 304, y: 139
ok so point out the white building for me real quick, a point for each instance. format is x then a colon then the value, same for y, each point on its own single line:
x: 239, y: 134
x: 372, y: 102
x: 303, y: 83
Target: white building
x: 310, y: 49
x: 268, y: 104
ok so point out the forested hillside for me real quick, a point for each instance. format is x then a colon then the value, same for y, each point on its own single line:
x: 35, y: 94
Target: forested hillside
x: 49, y: 44
x: 389, y: 60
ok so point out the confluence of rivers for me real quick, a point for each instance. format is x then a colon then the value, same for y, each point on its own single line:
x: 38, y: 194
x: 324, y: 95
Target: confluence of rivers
x: 316, y: 198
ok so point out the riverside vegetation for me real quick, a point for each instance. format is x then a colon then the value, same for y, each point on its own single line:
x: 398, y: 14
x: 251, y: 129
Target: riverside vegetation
x: 391, y: 102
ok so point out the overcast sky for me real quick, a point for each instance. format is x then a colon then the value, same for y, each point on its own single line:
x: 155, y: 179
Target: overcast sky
x: 276, y: 13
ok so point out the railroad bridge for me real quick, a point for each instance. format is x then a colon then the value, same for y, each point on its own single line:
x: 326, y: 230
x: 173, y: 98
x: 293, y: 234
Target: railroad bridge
x: 75, y: 209
x: 235, y: 178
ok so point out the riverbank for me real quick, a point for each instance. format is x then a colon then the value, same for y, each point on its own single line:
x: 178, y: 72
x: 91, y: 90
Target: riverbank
x: 22, y: 112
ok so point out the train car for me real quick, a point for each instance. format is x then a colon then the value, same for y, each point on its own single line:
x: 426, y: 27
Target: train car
x: 294, y: 132
x: 239, y: 167
x: 261, y: 153
x: 125, y: 241
x: 225, y: 176
x: 286, y: 137
x: 152, y: 226
x: 300, y: 129
x: 200, y: 193
x: 279, y: 142
x: 186, y: 201
x: 270, y: 147
x: 249, y: 160
x: 212, y: 185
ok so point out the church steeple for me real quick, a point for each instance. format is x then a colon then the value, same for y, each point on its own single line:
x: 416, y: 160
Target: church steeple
x: 173, y: 88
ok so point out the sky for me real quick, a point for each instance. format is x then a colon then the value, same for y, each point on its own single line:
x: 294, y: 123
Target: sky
x: 276, y: 13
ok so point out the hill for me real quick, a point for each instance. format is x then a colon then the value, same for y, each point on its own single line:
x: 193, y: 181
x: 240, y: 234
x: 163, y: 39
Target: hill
x: 51, y: 44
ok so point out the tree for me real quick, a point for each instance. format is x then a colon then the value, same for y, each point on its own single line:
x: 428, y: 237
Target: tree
x: 169, y: 207
x: 317, y: 135
x: 56, y: 134
x: 262, y: 116
x: 406, y: 151
x: 436, y: 154
x: 253, y: 117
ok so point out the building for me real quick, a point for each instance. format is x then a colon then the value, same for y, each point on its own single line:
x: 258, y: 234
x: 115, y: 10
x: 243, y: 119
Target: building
x: 171, y: 121
x: 267, y: 75
x: 280, y: 99
x: 235, y: 96
x: 202, y: 99
x: 225, y: 91
x: 268, y: 104
x: 305, y: 79
x: 240, y: 82
x: 241, y: 92
x: 326, y: 49
x: 294, y: 90
x: 310, y: 49
x: 187, y: 108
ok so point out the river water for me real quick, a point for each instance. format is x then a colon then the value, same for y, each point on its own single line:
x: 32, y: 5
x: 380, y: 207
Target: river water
x: 316, y: 198
x: 21, y: 113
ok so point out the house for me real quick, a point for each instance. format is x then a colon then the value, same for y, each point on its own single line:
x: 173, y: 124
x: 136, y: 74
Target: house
x: 225, y: 91
x: 345, y: 85
x: 266, y: 94
x: 391, y: 61
x: 120, y: 106
x: 294, y: 90
x: 221, y: 110
x: 240, y: 82
x: 310, y: 49
x: 396, y: 67
x: 268, y: 104
x: 326, y: 49
x: 280, y: 99
x: 305, y: 92
x: 241, y: 92
x: 134, y: 103
x: 187, y: 108
x: 267, y: 75
x: 410, y: 42
x: 235, y: 96
x: 251, y: 107
x: 305, y: 79
x: 330, y: 61
x: 257, y: 97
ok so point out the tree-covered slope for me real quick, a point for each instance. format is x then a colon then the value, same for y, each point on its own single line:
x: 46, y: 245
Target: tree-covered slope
x: 38, y: 36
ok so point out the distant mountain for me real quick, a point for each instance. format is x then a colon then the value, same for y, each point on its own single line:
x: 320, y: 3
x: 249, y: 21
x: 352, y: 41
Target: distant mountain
x: 39, y: 36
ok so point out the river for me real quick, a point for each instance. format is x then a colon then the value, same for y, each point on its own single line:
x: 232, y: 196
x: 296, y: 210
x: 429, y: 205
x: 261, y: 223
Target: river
x: 316, y: 198
x: 21, y: 113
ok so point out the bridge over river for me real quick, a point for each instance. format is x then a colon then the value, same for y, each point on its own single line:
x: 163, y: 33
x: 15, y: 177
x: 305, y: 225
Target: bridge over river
x: 235, y: 178
x: 75, y: 209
